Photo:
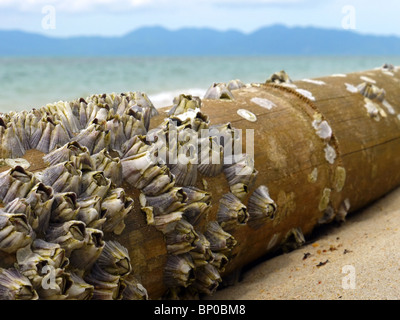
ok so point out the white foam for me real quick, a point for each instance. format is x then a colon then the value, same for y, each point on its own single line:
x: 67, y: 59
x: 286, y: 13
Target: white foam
x: 339, y: 75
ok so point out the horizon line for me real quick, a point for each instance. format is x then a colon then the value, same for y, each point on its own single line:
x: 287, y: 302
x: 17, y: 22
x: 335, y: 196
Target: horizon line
x: 154, y: 26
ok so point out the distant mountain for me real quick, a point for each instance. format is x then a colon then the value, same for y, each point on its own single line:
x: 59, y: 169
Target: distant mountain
x: 273, y: 40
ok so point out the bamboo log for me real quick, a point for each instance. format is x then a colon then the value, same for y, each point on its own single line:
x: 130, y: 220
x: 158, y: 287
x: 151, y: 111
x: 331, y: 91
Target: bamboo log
x: 323, y: 148
x: 292, y: 161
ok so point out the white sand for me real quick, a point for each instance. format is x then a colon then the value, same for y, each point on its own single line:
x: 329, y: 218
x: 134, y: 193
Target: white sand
x: 367, y: 242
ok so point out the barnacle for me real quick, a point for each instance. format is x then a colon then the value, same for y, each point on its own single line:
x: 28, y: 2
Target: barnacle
x: 179, y: 271
x: 293, y: 239
x: 79, y: 290
x: 184, y: 103
x: 134, y: 289
x: 235, y: 84
x: 84, y: 257
x: 279, y: 77
x: 181, y: 239
x: 15, y: 231
x: 240, y: 173
x: 56, y: 222
x: 114, y: 259
x: 14, y: 286
x: 371, y: 91
x: 218, y: 91
x: 231, y: 211
x: 220, y: 240
x: 69, y: 235
x: 15, y: 183
x: 260, y: 207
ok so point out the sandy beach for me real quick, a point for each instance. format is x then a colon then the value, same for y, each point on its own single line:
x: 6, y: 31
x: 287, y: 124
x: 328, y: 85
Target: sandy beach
x: 357, y: 260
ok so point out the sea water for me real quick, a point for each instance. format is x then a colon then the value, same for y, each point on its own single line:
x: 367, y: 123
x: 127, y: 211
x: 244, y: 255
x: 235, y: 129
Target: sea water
x: 27, y: 83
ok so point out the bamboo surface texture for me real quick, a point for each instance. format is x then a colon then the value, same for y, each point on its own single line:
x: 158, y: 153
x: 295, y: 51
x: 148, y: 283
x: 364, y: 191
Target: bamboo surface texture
x: 291, y: 160
x: 323, y: 148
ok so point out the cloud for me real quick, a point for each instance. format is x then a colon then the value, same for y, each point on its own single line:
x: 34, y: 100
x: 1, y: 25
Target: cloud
x: 84, y: 6
x: 74, y: 5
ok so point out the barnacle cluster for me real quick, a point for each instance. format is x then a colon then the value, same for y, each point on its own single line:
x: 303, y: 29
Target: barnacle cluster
x: 55, y: 222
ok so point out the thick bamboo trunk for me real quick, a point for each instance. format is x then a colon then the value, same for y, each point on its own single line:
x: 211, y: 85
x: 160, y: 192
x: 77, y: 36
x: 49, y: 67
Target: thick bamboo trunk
x: 292, y: 162
x: 322, y: 147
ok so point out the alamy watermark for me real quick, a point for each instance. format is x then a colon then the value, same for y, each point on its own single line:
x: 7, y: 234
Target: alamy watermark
x: 349, y: 18
x: 49, y: 19
x: 349, y: 280
x: 199, y: 147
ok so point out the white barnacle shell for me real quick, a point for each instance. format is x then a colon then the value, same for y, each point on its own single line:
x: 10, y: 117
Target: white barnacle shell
x: 15, y: 232
x: 165, y: 203
x: 261, y: 207
x: 198, y: 203
x: 220, y: 240
x: 65, y: 153
x: 69, y: 235
x: 207, y: 279
x: 114, y: 259
x: 64, y: 207
x: 218, y: 91
x: 219, y: 260
x: 79, y: 290
x: 330, y: 154
x: 160, y: 184
x: 293, y: 239
x: 52, y: 252
x: 201, y: 253
x: 181, y: 239
x: 371, y: 91
x: 133, y: 167
x: 15, y: 183
x: 279, y: 77
x: 94, y: 183
x: 184, y: 103
x: 235, y: 84
x: 15, y: 286
x: 111, y: 167
x: 134, y: 290
x: 84, y: 257
x: 322, y: 128
x: 40, y: 198
x: 106, y: 286
x: 231, y: 211
x: 264, y: 103
x: 90, y: 212
x: 179, y: 271
x: 11, y: 145
x: 185, y: 172
x: 63, y: 177
x: 240, y: 173
x: 115, y: 207
x: 305, y: 93
x: 246, y: 114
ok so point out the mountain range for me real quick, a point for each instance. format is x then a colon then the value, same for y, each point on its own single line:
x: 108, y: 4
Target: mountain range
x: 158, y: 41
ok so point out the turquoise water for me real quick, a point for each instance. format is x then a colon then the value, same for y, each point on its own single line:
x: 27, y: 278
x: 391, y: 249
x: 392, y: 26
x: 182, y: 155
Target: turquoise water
x: 27, y: 83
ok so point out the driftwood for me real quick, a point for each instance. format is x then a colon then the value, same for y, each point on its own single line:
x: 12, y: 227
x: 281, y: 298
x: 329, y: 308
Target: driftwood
x: 292, y: 162
x: 322, y: 148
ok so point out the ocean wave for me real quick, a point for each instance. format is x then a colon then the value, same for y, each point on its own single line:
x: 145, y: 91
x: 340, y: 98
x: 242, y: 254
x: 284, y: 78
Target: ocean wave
x: 165, y: 98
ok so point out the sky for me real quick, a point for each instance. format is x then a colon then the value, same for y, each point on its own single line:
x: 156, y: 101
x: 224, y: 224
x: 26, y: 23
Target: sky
x: 115, y: 18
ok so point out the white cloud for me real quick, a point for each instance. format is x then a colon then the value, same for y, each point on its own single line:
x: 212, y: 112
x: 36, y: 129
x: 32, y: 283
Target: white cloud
x: 74, y: 5
x: 121, y: 5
